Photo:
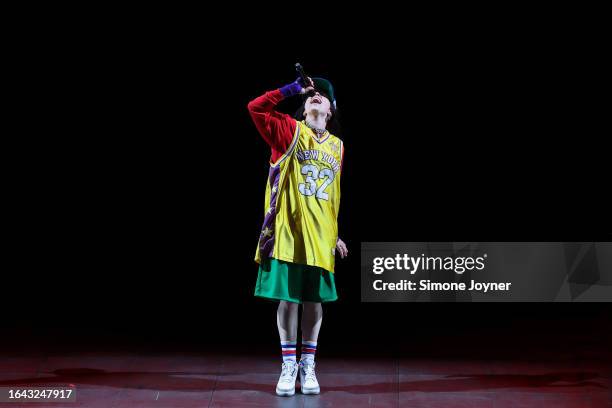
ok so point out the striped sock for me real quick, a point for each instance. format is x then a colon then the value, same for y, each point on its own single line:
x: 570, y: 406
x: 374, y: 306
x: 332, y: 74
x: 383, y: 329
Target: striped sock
x: 288, y: 348
x: 309, y: 348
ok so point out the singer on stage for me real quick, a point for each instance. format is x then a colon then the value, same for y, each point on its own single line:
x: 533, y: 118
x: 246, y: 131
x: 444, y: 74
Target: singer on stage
x: 299, y: 236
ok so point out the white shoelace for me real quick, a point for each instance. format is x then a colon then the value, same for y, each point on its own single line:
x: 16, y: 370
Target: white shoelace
x: 288, y: 372
x: 309, y: 371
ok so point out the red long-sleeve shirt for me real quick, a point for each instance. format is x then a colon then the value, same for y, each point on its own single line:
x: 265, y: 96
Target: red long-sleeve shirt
x: 275, y: 127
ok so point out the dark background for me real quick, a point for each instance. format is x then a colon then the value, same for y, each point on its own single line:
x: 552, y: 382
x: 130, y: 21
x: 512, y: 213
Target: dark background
x: 139, y: 194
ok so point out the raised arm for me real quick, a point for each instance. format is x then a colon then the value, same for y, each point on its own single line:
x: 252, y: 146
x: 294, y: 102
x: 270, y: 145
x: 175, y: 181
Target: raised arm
x: 276, y: 128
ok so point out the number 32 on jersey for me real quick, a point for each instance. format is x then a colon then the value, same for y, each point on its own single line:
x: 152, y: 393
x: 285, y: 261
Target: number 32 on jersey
x: 313, y: 174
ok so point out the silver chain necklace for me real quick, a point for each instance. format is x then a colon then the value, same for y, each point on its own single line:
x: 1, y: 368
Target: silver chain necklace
x: 317, y: 130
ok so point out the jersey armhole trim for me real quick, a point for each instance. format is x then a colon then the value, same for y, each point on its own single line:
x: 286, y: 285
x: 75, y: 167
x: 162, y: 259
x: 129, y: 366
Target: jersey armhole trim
x: 296, y: 135
x: 341, y: 154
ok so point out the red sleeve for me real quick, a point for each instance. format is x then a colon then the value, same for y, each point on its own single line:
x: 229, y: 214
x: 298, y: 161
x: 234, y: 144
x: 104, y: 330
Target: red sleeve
x: 276, y: 128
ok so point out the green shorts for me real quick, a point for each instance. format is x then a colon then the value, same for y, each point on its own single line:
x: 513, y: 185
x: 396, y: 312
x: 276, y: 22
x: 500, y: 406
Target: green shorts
x: 296, y: 283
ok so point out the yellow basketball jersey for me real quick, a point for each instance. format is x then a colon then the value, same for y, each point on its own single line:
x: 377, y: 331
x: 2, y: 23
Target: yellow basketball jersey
x: 302, y: 201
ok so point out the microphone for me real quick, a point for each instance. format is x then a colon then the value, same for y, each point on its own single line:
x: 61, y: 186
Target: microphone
x: 300, y: 70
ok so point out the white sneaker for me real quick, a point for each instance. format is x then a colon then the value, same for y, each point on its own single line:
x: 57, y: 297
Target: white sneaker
x: 308, y: 379
x: 286, y: 382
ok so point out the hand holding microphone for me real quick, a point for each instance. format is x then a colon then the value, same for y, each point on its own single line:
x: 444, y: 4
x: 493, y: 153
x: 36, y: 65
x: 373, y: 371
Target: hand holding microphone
x: 302, y: 85
x: 310, y: 89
